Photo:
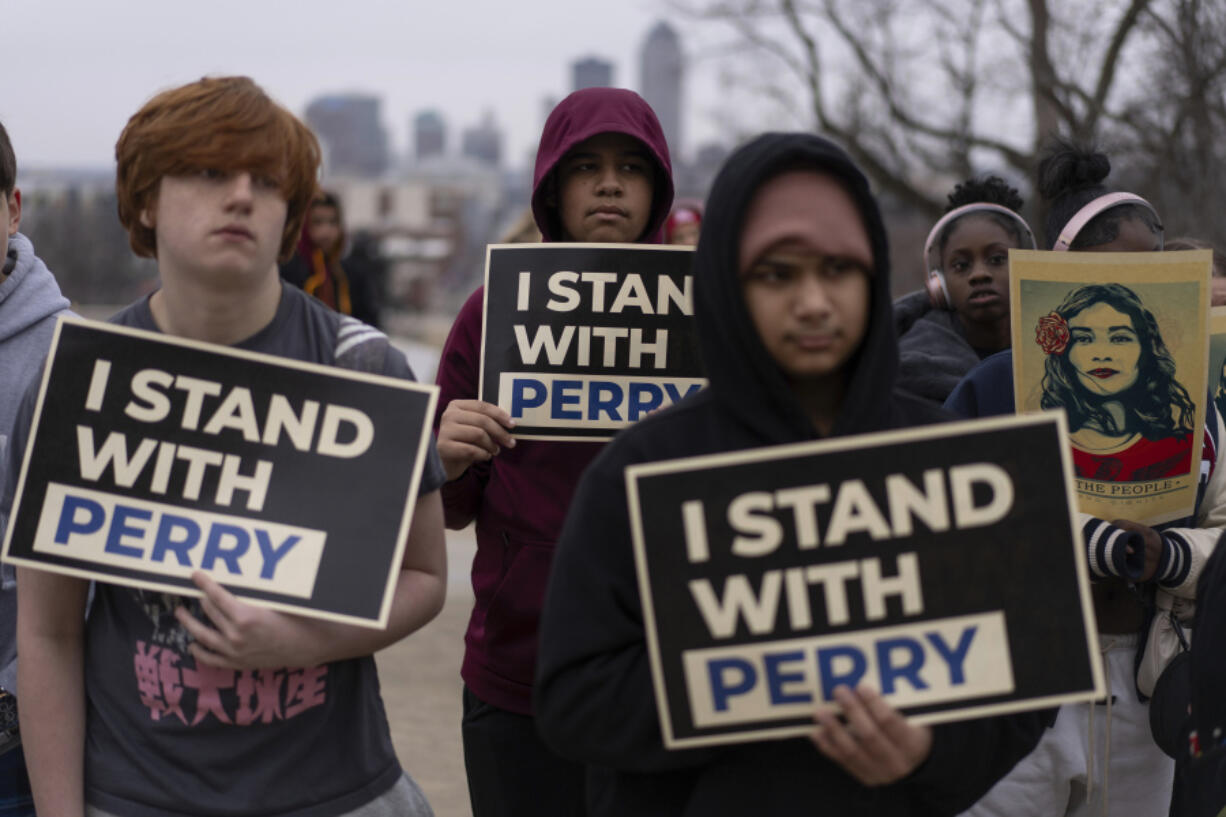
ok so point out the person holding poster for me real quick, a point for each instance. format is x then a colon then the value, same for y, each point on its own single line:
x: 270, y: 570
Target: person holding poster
x: 158, y: 704
x: 794, y: 321
x: 962, y: 315
x: 1106, y: 358
x: 602, y: 175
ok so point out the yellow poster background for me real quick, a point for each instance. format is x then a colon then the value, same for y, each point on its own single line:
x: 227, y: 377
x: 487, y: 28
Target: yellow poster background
x: 1174, y: 288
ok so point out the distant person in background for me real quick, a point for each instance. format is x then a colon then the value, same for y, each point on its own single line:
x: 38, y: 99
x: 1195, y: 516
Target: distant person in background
x: 367, y: 270
x: 962, y: 315
x: 30, y: 300
x: 1217, y: 286
x: 684, y: 224
x: 316, y: 266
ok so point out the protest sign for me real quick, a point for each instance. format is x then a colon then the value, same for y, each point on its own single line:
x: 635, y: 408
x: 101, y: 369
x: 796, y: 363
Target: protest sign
x: 942, y: 565
x: 1120, y: 341
x: 580, y: 340
x: 150, y: 457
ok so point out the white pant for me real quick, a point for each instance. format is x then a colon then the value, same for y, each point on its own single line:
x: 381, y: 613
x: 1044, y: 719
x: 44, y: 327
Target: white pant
x: 1073, y: 771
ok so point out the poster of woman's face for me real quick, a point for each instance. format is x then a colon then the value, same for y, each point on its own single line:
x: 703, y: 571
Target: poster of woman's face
x: 1122, y: 352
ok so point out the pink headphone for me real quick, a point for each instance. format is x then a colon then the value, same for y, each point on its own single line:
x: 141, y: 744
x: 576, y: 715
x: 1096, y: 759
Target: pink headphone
x: 938, y: 292
x: 1083, y: 216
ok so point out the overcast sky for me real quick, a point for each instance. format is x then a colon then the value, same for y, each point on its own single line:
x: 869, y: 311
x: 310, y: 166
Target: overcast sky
x: 75, y: 70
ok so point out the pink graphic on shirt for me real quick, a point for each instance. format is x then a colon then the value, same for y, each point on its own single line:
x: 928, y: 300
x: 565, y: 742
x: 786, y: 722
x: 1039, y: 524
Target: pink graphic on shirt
x: 172, y: 690
x: 148, y: 683
x: 267, y: 694
x: 306, y: 689
x: 208, y: 683
x: 164, y: 676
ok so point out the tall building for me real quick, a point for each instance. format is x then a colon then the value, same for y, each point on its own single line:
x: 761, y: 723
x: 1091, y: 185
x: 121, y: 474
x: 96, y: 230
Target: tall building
x: 661, y: 67
x: 483, y: 142
x: 348, y: 125
x: 429, y: 135
x: 591, y: 72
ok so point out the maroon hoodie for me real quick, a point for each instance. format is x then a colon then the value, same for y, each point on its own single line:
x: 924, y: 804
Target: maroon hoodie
x: 519, y: 498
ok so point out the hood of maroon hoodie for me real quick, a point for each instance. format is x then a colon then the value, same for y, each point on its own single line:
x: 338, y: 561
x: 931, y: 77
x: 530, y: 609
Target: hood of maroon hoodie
x: 584, y: 114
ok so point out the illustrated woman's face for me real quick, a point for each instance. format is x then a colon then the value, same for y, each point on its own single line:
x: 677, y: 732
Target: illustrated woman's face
x: 1104, y: 349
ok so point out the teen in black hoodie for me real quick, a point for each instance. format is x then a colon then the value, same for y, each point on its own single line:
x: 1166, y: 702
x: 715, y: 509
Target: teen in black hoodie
x: 828, y: 370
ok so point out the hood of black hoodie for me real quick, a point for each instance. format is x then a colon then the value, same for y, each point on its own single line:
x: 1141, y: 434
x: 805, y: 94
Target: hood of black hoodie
x: 742, y: 374
x: 584, y: 114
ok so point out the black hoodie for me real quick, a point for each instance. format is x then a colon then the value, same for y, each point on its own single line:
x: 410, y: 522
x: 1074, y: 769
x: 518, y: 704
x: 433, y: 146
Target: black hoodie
x: 594, y: 697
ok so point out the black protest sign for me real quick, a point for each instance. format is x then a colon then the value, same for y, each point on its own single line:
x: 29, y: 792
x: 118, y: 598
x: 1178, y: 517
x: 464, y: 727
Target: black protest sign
x: 941, y: 565
x: 292, y: 484
x: 581, y: 340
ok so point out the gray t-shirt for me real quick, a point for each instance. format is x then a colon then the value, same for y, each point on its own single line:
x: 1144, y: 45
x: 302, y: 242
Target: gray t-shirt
x: 165, y: 736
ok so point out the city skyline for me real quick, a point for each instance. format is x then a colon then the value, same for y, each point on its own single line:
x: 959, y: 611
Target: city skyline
x: 356, y: 142
x: 62, y: 116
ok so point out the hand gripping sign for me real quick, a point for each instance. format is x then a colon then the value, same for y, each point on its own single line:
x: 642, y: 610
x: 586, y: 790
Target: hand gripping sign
x: 942, y: 565
x: 580, y: 340
x: 151, y: 457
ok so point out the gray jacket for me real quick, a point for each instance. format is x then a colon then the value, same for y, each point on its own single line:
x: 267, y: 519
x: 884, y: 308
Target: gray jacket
x: 933, y: 354
x: 30, y: 300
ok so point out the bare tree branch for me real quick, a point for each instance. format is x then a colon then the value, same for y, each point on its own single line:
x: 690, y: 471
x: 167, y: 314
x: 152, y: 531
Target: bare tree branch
x: 812, y: 62
x: 903, y: 117
x: 1106, y: 74
x: 920, y: 89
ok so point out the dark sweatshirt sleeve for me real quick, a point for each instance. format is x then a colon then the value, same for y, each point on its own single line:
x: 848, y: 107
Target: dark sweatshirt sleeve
x: 458, y: 370
x: 987, y: 389
x: 968, y: 758
x: 594, y: 699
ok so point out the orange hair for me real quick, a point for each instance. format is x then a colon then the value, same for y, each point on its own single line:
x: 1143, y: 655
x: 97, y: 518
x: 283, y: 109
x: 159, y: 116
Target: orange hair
x: 221, y: 123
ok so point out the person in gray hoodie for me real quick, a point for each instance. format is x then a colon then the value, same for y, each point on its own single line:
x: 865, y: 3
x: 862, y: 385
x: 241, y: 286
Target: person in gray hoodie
x: 30, y: 300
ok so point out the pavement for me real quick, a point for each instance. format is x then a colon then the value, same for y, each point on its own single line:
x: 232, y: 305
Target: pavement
x: 421, y: 684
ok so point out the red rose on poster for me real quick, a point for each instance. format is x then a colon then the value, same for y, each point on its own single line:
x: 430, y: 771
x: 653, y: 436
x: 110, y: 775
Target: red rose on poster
x: 1052, y: 333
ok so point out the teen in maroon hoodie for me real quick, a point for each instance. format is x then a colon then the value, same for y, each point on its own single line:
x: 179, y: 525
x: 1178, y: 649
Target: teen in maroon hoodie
x: 602, y: 175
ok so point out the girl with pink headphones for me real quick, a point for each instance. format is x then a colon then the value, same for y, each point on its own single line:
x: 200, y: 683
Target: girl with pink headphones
x: 964, y: 315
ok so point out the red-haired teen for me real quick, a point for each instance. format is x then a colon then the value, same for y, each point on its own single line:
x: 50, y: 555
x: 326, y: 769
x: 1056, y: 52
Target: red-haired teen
x: 214, y: 179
